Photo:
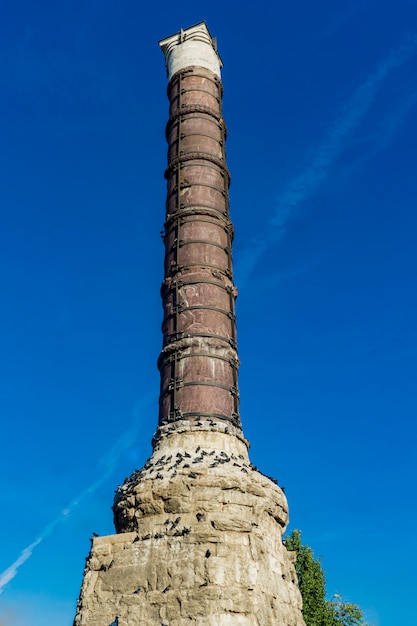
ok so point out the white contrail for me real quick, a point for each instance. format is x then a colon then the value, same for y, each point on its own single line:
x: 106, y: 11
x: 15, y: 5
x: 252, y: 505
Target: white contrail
x: 306, y: 183
x: 10, y: 572
x: 108, y: 463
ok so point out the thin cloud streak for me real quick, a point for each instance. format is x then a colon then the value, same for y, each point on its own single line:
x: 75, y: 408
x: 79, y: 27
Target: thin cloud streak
x: 11, y: 571
x: 108, y: 465
x: 307, y: 182
x: 350, y: 14
x: 389, y: 129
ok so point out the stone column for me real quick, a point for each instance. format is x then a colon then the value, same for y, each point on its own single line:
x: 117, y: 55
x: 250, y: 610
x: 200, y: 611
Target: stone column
x: 198, y: 362
x: 199, y: 528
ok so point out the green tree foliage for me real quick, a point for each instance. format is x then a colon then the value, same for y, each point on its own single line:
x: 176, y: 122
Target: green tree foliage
x: 312, y: 583
x: 317, y: 611
x: 346, y: 613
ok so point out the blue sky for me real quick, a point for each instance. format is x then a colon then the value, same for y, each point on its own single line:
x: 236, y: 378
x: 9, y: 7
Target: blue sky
x: 320, y: 102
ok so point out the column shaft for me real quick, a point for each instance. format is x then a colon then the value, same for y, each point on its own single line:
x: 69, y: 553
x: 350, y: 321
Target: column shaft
x: 198, y: 362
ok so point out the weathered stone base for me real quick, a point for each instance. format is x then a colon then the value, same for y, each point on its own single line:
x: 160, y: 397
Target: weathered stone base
x: 199, y: 544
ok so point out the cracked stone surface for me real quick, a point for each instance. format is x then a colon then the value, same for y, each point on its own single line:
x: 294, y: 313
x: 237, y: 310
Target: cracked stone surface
x: 199, y: 543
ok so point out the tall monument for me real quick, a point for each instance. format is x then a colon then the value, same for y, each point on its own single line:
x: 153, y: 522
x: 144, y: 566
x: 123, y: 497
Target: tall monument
x: 199, y: 529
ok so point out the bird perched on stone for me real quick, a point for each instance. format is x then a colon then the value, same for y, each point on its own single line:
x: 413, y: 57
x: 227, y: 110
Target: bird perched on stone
x: 116, y: 622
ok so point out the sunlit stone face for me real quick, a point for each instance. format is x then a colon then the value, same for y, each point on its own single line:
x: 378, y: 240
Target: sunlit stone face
x: 193, y: 46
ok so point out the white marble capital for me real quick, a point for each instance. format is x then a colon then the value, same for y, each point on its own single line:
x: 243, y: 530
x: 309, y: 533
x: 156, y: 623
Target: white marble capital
x: 192, y: 46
